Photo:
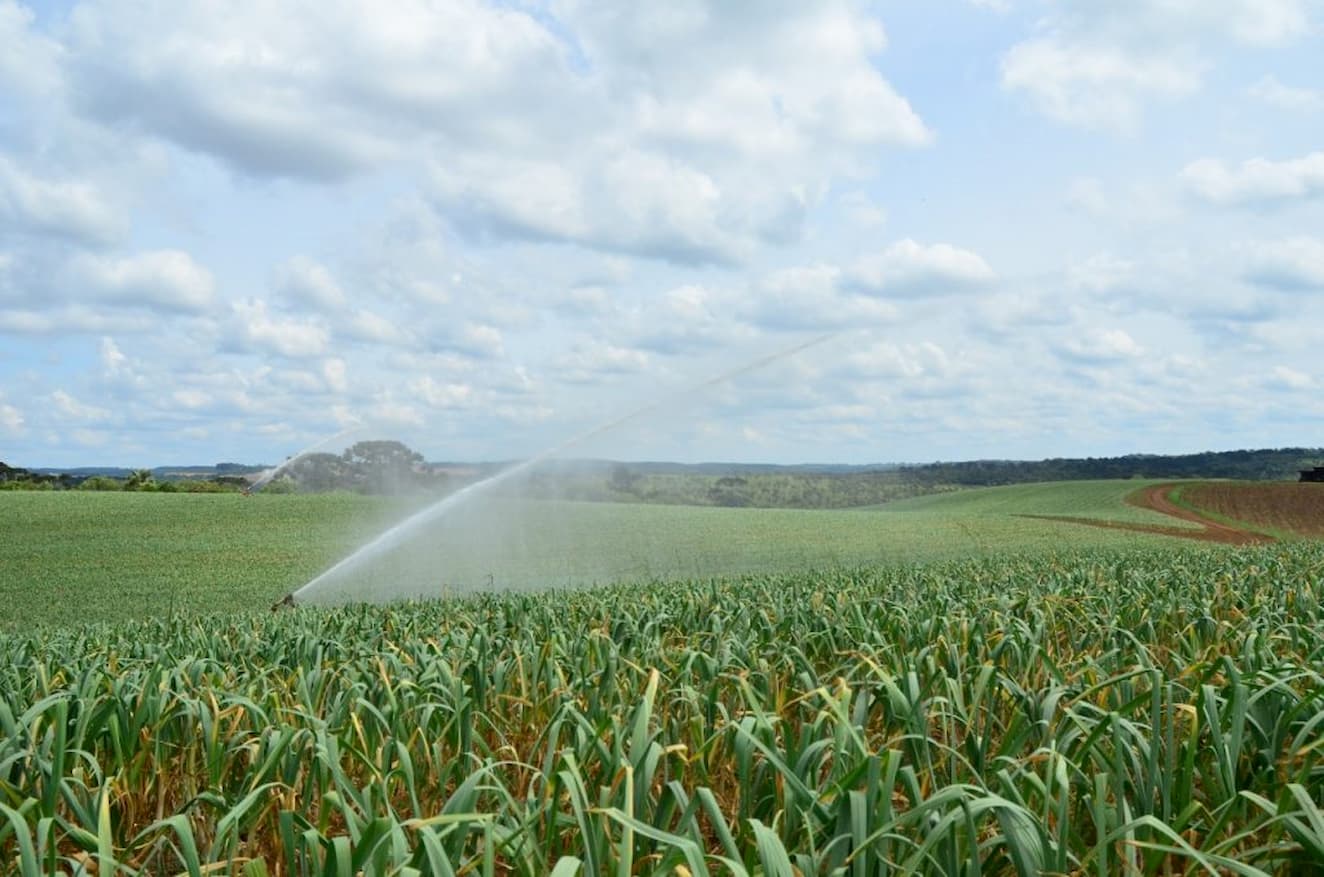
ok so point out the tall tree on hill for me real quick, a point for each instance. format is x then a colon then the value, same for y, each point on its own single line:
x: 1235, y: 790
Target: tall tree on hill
x: 385, y: 466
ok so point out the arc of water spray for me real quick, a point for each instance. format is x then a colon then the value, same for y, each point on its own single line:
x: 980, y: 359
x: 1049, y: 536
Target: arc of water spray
x: 401, y: 531
x: 267, y: 475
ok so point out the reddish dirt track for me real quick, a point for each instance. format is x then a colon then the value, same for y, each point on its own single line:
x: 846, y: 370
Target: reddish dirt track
x: 1290, y: 508
x: 1159, y: 498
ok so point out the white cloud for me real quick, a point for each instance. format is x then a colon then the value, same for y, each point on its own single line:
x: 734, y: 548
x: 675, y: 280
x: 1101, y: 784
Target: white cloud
x: 168, y: 280
x: 440, y: 395
x: 479, y: 340
x: 907, y: 268
x: 258, y: 329
x: 303, y: 281
x: 1101, y: 274
x: 1256, y: 181
x: 390, y: 413
x: 73, y: 319
x: 30, y: 62
x: 1290, y: 379
x: 1093, y: 86
x: 371, y: 328
x: 591, y: 362
x: 1293, y: 264
x: 889, y: 360
x: 863, y: 210
x: 76, y: 410
x: 192, y: 399
x: 812, y: 298
x: 12, y: 421
x: 71, y: 208
x: 325, y: 90
x: 1098, y: 346
x: 1097, y: 65
x: 334, y: 373
x: 1287, y: 97
x: 113, y: 359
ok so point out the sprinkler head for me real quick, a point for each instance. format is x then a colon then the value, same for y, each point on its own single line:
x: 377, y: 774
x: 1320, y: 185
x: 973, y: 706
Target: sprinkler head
x: 286, y: 602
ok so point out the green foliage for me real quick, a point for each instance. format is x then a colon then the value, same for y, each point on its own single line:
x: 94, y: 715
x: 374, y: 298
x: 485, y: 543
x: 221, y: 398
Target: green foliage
x: 101, y: 483
x: 140, y: 479
x: 92, y: 556
x: 1145, y: 712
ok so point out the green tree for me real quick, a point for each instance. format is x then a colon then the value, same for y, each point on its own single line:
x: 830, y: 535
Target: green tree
x: 386, y: 466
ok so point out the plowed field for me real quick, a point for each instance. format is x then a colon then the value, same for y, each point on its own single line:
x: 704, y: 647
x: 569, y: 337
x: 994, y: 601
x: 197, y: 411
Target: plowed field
x: 1292, y: 509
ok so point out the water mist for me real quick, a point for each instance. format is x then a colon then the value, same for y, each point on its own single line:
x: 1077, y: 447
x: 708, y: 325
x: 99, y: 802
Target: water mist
x: 402, y: 532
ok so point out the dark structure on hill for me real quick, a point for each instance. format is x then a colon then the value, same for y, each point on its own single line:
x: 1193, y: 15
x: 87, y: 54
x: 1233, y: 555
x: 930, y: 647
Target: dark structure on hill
x: 1316, y: 474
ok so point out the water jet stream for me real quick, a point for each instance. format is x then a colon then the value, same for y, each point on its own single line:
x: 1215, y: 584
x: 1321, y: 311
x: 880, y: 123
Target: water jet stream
x: 267, y: 475
x: 403, y: 530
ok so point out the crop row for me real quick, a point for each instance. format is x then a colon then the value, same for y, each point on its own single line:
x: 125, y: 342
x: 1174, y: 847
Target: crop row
x: 1100, y: 713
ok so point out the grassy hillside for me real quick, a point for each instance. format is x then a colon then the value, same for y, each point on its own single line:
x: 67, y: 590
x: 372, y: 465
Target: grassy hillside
x: 1096, y: 500
x: 78, y: 556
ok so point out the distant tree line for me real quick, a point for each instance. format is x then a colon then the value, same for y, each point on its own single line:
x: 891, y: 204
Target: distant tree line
x: 374, y: 467
x: 1279, y: 464
x: 14, y: 478
x: 139, y: 480
x: 390, y: 467
x: 795, y: 488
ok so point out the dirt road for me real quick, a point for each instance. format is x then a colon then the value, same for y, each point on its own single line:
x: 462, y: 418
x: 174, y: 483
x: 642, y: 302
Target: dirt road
x: 1159, y: 498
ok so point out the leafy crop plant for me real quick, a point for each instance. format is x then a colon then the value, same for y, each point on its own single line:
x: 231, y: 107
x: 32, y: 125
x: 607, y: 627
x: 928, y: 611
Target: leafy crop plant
x: 1152, y: 712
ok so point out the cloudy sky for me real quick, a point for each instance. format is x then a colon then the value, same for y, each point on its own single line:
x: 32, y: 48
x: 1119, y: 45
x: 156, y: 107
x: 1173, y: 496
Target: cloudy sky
x: 1027, y: 227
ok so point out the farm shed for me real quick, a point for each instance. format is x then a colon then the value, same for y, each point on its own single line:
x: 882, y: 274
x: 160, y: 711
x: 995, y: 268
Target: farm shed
x: 1316, y: 474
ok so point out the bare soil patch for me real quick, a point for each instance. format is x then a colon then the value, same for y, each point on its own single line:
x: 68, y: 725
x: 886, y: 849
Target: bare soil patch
x: 1159, y: 498
x: 1285, y: 507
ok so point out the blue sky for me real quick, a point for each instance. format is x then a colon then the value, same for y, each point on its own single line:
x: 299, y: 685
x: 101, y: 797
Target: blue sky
x: 1033, y: 227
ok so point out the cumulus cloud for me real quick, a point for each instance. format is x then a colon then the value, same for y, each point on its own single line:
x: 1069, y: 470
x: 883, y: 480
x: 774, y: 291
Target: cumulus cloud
x: 30, y: 63
x: 256, y: 328
x: 1290, y: 379
x: 591, y: 362
x: 812, y: 297
x: 439, y: 394
x: 69, y: 208
x: 705, y: 158
x: 73, y: 409
x: 701, y: 158
x: 888, y: 360
x: 302, y: 281
x: 168, y: 280
x: 1097, y: 65
x: 12, y: 421
x: 1100, y: 346
x: 1095, y: 86
x: 910, y: 269
x: 1256, y: 181
x: 371, y: 328
x: 1287, y: 97
x: 73, y: 320
x: 113, y: 359
x: 1293, y: 264
x: 308, y: 89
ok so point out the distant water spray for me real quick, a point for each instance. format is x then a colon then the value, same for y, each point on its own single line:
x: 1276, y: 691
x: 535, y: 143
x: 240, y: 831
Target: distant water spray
x: 402, y: 531
x: 267, y: 475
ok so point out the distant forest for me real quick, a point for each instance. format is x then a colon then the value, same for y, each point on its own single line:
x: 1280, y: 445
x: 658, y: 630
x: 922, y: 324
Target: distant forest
x: 391, y: 467
x: 1263, y: 465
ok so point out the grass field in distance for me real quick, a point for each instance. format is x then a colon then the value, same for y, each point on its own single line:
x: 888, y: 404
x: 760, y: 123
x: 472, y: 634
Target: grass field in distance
x: 938, y: 686
x: 76, y: 557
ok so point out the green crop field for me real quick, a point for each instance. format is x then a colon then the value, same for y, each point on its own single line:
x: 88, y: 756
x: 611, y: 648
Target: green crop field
x: 1143, y: 711
x: 938, y: 686
x: 75, y: 557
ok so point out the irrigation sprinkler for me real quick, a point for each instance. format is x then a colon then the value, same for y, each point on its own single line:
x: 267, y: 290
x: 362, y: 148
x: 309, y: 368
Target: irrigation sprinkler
x: 286, y: 602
